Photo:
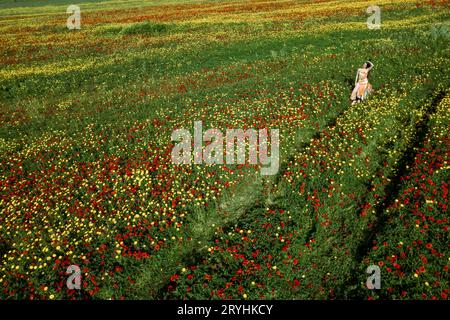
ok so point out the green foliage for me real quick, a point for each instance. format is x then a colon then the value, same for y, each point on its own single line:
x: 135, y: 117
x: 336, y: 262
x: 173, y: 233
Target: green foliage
x: 86, y: 119
x: 147, y: 28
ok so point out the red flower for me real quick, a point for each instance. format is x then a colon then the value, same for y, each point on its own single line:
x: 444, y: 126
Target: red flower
x: 182, y: 88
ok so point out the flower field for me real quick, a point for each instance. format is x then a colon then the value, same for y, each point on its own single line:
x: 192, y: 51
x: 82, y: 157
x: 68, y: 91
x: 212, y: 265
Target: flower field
x: 86, y: 176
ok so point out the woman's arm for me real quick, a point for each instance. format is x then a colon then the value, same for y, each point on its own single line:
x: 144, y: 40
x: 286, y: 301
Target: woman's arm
x: 371, y: 66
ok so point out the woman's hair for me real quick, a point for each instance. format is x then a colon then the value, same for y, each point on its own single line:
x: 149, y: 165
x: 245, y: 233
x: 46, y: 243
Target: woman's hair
x: 368, y: 64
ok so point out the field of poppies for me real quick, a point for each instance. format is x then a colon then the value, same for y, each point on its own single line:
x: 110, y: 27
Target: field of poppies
x: 86, y: 176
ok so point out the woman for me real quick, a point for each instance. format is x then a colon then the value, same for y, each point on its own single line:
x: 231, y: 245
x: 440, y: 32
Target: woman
x: 362, y: 85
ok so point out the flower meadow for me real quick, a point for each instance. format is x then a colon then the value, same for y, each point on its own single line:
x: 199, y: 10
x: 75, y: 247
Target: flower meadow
x: 86, y: 176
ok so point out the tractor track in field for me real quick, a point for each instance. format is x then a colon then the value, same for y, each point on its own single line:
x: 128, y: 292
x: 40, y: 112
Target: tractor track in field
x: 393, y: 189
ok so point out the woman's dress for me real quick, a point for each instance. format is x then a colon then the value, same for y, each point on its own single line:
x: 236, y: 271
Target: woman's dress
x: 363, y: 87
